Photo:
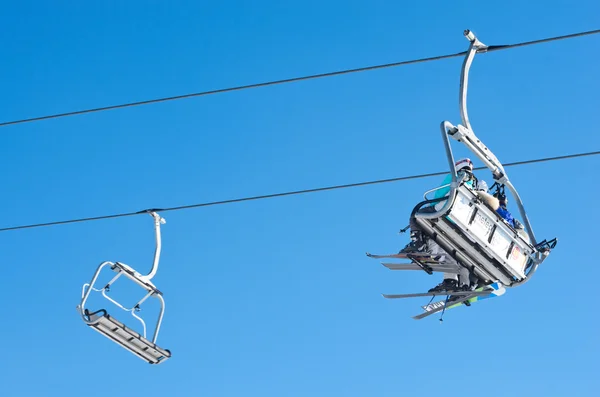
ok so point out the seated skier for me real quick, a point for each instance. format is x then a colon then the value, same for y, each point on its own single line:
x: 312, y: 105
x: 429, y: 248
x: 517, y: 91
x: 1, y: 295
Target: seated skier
x: 503, y: 211
x: 499, y: 202
x: 420, y: 244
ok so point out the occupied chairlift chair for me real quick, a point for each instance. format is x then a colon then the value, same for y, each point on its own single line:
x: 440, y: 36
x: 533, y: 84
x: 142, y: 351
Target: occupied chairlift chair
x: 465, y: 227
x: 116, y: 331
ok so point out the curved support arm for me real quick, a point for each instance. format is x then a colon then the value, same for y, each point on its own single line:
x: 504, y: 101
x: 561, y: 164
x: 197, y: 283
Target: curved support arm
x: 160, y: 317
x: 158, y: 220
x: 476, y: 46
x: 528, y: 228
x: 446, y: 126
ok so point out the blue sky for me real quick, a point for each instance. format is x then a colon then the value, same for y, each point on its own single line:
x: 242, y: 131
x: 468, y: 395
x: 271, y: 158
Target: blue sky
x: 276, y: 297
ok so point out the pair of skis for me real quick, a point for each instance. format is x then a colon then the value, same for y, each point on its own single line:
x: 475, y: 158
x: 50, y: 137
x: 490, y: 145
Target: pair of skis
x: 422, y: 261
x: 461, y: 297
x: 430, y: 264
x: 489, y: 291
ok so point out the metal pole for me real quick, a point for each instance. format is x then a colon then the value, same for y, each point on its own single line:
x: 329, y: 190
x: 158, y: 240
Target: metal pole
x: 158, y: 220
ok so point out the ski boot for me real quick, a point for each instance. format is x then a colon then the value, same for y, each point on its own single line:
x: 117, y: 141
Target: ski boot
x: 448, y: 284
x: 453, y: 298
x: 417, y: 244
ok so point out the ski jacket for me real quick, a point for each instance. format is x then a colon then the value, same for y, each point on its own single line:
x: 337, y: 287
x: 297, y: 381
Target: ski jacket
x: 504, y: 213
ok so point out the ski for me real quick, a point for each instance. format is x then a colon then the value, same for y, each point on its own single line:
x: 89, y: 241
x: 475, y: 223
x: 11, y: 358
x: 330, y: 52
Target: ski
x: 441, y: 307
x: 437, y: 293
x: 414, y: 266
x: 497, y: 290
x: 420, y: 256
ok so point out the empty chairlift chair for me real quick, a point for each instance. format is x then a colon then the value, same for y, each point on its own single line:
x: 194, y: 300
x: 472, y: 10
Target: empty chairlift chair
x: 99, y: 320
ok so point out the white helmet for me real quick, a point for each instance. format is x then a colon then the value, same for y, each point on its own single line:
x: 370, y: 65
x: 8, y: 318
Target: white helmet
x: 462, y: 164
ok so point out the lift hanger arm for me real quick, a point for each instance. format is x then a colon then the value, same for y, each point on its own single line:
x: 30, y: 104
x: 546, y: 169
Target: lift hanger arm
x: 464, y: 133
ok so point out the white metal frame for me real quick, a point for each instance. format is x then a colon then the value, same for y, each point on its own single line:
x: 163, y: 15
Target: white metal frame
x: 441, y: 225
x: 111, y: 328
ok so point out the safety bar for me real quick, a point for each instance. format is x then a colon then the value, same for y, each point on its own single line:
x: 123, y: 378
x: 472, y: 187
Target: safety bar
x: 445, y: 127
x: 455, y: 182
x: 433, y: 190
x: 436, y: 214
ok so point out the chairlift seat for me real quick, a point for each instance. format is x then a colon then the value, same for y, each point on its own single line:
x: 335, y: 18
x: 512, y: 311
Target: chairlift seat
x: 116, y: 331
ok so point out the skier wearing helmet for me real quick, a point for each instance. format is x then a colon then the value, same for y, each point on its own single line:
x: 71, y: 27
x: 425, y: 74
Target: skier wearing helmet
x: 420, y: 244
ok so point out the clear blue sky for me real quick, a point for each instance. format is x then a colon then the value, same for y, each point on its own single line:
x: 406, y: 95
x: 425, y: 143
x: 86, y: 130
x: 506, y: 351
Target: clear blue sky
x: 276, y: 297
